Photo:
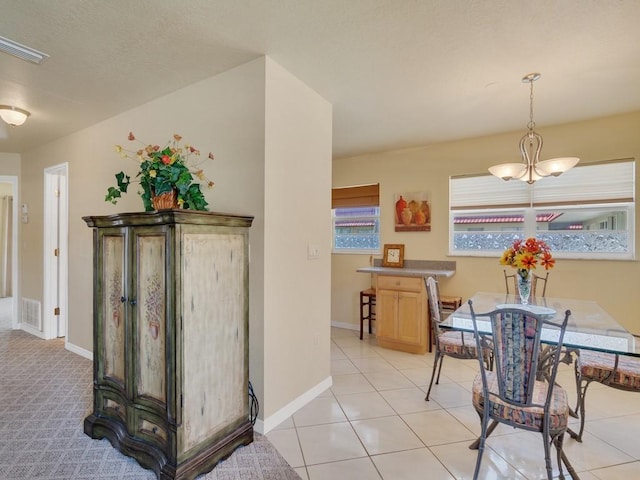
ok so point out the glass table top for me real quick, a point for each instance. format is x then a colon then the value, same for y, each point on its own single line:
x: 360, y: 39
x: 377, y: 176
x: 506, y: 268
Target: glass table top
x: 589, y: 326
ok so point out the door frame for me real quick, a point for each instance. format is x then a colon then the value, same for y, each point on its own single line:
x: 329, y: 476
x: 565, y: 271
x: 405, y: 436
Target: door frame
x: 15, y: 268
x: 56, y: 235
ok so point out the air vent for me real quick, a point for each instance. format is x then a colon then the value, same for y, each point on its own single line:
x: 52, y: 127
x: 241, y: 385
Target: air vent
x: 31, y: 313
x: 22, y: 51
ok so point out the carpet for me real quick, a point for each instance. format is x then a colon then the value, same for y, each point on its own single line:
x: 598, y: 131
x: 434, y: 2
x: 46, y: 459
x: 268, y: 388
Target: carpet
x: 45, y: 394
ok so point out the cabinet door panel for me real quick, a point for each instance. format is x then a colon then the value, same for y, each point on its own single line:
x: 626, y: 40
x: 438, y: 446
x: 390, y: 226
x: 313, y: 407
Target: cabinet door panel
x: 386, y: 313
x: 409, y: 317
x: 113, y: 310
x: 150, y: 316
x: 213, y: 305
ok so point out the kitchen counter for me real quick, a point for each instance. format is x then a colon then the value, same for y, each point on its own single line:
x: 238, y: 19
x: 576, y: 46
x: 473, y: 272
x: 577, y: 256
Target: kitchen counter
x: 413, y: 268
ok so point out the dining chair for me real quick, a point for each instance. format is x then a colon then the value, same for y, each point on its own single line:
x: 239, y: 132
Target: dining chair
x: 611, y: 369
x: 460, y: 345
x: 511, y: 283
x: 520, y: 391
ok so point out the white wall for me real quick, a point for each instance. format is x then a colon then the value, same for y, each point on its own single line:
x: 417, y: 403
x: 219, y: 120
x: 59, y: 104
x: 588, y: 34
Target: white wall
x: 297, y: 214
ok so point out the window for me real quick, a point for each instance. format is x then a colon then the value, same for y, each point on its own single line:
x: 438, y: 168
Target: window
x: 356, y: 219
x: 587, y: 212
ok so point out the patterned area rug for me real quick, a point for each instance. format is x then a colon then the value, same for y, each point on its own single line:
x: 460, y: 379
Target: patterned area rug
x: 45, y: 394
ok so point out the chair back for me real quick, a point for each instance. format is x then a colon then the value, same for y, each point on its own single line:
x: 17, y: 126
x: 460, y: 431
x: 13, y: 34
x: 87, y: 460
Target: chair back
x: 515, y: 337
x: 433, y: 293
x: 511, y: 284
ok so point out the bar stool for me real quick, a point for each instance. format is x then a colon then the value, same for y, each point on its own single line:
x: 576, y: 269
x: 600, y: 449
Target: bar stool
x: 450, y: 303
x: 368, y: 300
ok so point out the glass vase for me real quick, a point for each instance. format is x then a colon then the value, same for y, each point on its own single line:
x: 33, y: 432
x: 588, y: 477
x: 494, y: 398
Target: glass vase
x: 524, y: 286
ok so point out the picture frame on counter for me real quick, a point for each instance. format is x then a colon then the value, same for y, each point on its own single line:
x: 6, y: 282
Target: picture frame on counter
x: 393, y: 255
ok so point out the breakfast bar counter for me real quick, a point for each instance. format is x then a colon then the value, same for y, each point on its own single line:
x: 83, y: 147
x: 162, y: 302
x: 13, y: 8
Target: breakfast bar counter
x: 402, y: 308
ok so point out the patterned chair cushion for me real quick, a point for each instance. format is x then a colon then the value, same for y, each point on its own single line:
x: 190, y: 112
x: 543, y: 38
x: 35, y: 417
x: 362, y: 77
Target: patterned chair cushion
x: 598, y: 366
x: 451, y: 343
x: 530, y: 416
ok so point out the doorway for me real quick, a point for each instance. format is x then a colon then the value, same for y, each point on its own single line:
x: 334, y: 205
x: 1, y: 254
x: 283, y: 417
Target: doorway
x: 8, y: 250
x: 56, y: 218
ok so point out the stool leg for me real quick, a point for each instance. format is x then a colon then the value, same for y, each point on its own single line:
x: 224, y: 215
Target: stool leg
x: 361, y: 313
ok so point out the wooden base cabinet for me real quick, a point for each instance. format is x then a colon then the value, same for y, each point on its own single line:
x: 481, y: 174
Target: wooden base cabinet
x: 402, y: 313
x: 171, y: 338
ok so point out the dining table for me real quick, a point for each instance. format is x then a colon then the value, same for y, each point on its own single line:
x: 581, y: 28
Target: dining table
x: 589, y: 327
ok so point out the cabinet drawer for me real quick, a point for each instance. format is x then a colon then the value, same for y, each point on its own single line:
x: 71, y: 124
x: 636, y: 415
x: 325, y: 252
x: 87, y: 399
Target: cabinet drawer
x: 111, y: 404
x: 150, y: 427
x: 411, y: 284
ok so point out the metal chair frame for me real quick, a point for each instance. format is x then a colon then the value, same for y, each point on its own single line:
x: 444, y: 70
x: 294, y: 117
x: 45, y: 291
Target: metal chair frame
x: 511, y: 279
x: 630, y: 368
x: 466, y: 343
x: 518, y: 371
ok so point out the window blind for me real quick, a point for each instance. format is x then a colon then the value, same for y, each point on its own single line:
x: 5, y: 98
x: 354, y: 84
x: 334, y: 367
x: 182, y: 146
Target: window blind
x: 605, y: 182
x: 356, y: 196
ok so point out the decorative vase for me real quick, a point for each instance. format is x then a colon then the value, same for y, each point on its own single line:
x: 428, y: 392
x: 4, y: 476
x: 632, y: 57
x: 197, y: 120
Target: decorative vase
x: 401, y: 204
x: 406, y: 216
x: 524, y: 285
x: 165, y: 200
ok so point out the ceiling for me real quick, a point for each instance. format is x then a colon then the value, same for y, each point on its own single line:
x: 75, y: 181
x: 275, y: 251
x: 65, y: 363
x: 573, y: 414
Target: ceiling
x: 399, y: 73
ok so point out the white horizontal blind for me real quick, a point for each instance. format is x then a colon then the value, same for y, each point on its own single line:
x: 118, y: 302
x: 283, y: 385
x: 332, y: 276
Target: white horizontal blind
x: 598, y: 183
x: 594, y: 183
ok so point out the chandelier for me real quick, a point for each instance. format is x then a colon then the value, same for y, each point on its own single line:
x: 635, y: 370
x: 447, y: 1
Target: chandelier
x: 532, y: 168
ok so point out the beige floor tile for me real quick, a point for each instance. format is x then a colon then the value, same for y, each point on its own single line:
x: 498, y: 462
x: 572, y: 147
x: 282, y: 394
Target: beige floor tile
x: 459, y: 370
x: 343, y: 366
x: 437, y: 427
x: 388, y: 380
x: 468, y: 416
x: 330, y: 443
x: 358, y: 406
x: 288, y: 445
x: 359, y: 468
x: 409, y: 400
x: 525, y: 452
x: 418, y: 376
x: 360, y: 351
x: 302, y: 473
x: 461, y: 462
x: 626, y: 471
x: 320, y: 410
x: 450, y: 395
x: 620, y: 432
x: 373, y: 364
x: 594, y: 453
x: 336, y: 352
x: 386, y: 435
x: 405, y: 362
x: 419, y: 464
x: 288, y: 423
x: 352, y: 383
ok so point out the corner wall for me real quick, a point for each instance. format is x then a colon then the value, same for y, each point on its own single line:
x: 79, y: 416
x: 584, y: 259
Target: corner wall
x: 271, y: 137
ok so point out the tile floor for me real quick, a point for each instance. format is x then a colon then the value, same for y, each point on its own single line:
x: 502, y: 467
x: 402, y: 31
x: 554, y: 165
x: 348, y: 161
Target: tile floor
x: 373, y: 423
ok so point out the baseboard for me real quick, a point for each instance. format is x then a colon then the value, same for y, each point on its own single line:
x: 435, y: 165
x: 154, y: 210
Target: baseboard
x: 78, y: 350
x: 351, y: 326
x: 29, y: 329
x: 348, y: 326
x: 264, y: 426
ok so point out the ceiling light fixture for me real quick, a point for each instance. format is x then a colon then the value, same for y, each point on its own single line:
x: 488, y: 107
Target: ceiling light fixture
x: 12, y: 115
x: 532, y: 168
x: 22, y: 51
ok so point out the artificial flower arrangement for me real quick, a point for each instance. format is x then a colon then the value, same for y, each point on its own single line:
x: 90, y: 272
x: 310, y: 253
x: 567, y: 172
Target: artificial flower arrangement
x: 163, y: 171
x: 525, y: 255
